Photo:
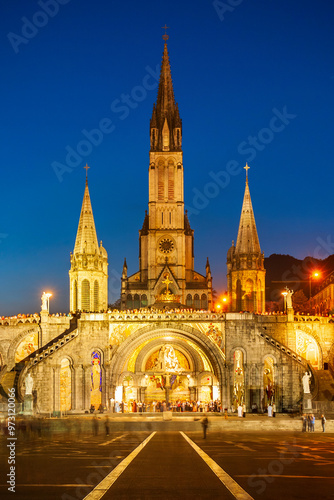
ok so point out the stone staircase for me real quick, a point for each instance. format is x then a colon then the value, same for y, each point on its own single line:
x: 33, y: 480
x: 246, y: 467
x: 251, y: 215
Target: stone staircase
x: 13, y: 378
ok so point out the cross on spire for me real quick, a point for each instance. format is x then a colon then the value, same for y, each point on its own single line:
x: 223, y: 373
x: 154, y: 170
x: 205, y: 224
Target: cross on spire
x: 86, y: 168
x: 165, y: 36
x: 246, y: 168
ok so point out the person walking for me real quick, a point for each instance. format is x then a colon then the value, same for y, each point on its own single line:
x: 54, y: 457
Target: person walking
x: 312, y: 422
x: 304, y: 419
x: 106, y: 424
x: 244, y: 410
x: 308, y: 423
x: 323, y: 422
x: 205, y: 423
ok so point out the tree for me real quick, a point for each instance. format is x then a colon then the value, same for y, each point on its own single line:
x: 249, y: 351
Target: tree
x: 300, y: 301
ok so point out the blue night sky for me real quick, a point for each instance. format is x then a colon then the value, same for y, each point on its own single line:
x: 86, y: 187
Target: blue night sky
x: 254, y: 81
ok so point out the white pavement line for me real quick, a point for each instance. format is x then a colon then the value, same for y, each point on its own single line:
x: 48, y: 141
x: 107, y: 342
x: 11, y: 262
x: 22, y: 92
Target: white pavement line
x: 112, y: 440
x: 228, y: 482
x: 102, y: 488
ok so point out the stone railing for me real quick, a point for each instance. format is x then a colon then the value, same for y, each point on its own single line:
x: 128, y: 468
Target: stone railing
x: 172, y: 316
x: 34, y: 319
x: 16, y: 320
x: 320, y: 319
x: 281, y: 347
x: 51, y: 347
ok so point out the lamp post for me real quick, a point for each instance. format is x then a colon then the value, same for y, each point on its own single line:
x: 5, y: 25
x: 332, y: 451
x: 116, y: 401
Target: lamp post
x: 48, y: 295
x: 285, y: 293
x: 314, y: 275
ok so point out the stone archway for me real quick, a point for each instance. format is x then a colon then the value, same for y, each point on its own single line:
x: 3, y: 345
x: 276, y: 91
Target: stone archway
x: 192, y: 351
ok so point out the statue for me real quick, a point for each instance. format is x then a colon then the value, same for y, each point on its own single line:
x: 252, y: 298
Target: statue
x: 167, y: 360
x: 306, y: 382
x: 289, y: 294
x: 29, y: 384
x: 44, y: 302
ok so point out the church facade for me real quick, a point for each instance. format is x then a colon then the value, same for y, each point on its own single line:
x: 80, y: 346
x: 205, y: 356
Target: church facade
x: 166, y: 342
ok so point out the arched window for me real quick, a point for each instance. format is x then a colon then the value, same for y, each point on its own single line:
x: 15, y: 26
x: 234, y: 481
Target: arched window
x: 129, y: 303
x: 249, y: 296
x: 96, y: 296
x: 268, y: 381
x: 75, y: 296
x: 136, y: 302
x: 238, y: 396
x: 171, y: 181
x: 65, y: 385
x: 85, y: 296
x: 239, y: 296
x: 143, y: 302
x: 308, y: 348
x: 161, y: 185
x: 189, y: 300
x: 197, y: 304
x: 204, y: 301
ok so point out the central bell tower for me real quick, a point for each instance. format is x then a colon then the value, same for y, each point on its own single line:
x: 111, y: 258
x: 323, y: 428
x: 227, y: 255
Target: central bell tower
x: 166, y: 240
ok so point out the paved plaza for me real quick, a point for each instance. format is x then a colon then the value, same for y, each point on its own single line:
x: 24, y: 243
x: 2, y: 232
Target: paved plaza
x: 76, y: 464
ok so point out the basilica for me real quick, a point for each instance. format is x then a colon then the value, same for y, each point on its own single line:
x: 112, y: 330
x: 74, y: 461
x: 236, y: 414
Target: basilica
x: 166, y: 341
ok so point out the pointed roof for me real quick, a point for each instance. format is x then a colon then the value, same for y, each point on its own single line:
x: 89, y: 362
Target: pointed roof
x: 166, y: 100
x: 248, y: 240
x: 86, y: 240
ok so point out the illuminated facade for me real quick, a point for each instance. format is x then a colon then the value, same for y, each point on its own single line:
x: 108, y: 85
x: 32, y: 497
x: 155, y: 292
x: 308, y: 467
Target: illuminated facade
x: 245, y: 263
x: 178, y: 350
x: 89, y: 265
x: 166, y: 240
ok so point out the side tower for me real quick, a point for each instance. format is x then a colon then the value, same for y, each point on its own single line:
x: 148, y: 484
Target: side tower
x: 166, y: 240
x: 245, y: 263
x: 89, y: 264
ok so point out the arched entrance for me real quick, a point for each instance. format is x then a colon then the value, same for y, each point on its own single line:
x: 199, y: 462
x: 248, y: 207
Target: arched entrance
x: 174, y: 367
x: 268, y: 382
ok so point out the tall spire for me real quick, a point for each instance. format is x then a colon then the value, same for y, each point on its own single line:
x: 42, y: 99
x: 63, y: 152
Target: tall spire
x: 166, y: 125
x: 86, y: 240
x: 166, y: 99
x: 248, y: 240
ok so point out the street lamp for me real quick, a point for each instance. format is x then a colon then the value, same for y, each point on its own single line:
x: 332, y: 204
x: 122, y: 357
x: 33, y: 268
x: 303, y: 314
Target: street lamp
x: 285, y: 293
x: 48, y: 295
x: 314, y: 275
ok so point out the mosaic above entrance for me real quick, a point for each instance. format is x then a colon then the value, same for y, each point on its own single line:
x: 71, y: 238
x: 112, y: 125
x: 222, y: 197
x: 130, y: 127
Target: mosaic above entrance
x: 167, y: 360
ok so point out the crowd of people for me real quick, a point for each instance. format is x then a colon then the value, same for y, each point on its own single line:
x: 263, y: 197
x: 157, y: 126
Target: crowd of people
x: 161, y: 406
x: 309, y: 422
x: 34, y: 316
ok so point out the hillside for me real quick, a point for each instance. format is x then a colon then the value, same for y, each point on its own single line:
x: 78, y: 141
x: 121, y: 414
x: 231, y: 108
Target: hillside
x: 285, y: 270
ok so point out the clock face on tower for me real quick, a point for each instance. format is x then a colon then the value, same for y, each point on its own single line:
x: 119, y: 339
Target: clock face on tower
x: 166, y: 245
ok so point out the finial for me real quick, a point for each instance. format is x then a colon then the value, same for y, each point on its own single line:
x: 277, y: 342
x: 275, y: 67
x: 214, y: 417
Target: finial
x: 246, y: 168
x: 165, y: 36
x: 86, y: 168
